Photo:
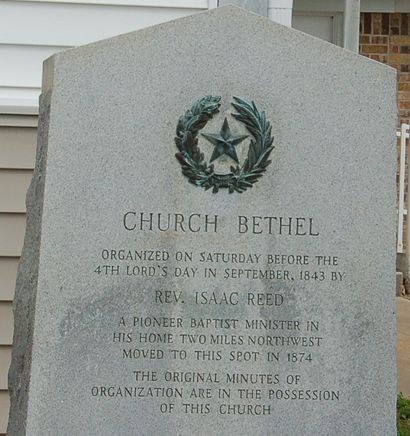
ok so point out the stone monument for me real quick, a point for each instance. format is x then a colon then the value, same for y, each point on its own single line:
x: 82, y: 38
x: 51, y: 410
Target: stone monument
x: 210, y: 238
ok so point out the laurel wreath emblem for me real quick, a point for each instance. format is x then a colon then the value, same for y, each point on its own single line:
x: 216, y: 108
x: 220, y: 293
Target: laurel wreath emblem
x: 192, y: 161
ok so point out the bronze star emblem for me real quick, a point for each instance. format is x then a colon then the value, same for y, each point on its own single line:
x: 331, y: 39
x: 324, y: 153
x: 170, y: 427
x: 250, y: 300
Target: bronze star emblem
x: 224, y: 142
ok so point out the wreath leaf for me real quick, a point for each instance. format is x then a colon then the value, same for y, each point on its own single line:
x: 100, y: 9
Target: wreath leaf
x: 193, y: 165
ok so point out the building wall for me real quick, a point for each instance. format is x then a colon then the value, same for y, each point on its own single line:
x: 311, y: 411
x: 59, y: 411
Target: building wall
x: 18, y: 137
x: 386, y: 38
x: 30, y: 31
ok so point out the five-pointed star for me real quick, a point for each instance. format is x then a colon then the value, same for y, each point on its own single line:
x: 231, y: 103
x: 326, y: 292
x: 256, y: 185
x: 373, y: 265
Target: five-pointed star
x: 224, y: 142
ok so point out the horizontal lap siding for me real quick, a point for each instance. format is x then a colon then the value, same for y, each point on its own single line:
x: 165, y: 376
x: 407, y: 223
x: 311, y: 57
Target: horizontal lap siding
x: 8, y: 273
x: 4, y: 410
x: 92, y: 23
x: 6, y: 323
x: 17, y: 157
x: 5, y: 359
x: 18, y: 138
x: 12, y: 227
x: 17, y: 146
x: 13, y: 188
x: 31, y: 31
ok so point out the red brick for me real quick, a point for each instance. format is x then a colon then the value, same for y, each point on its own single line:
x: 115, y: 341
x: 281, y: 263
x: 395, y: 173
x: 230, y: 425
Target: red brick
x: 400, y: 58
x: 395, y: 19
x: 377, y: 24
x: 404, y: 104
x: 404, y: 24
x: 403, y: 95
x: 404, y: 78
x: 385, y: 24
x: 367, y: 20
x: 374, y: 48
x: 404, y: 86
x: 400, y: 40
x: 380, y: 40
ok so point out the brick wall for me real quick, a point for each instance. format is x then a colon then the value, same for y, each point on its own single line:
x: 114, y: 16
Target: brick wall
x: 386, y: 38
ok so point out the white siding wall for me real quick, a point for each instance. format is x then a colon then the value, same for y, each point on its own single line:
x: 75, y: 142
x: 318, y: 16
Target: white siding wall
x: 30, y: 31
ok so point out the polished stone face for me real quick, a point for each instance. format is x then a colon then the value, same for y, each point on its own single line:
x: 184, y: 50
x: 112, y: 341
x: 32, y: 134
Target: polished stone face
x: 250, y: 295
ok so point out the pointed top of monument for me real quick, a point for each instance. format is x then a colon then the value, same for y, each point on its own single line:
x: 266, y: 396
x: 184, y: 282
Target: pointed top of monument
x: 227, y: 24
